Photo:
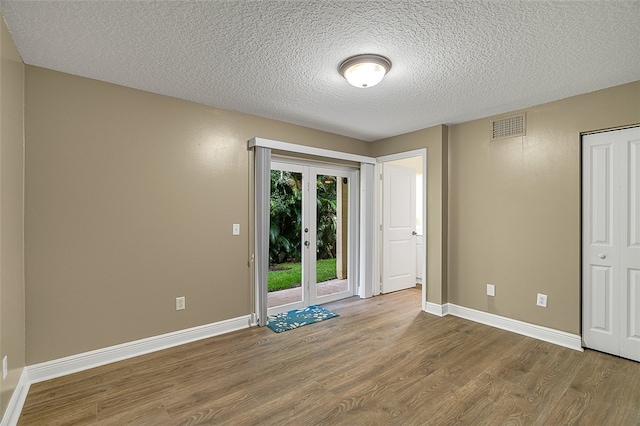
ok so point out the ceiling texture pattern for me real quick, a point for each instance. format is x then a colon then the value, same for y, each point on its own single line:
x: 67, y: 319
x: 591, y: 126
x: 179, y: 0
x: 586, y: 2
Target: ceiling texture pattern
x: 453, y: 61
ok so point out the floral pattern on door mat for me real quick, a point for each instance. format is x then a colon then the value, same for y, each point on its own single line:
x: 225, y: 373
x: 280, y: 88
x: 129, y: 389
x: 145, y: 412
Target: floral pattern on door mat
x: 298, y: 317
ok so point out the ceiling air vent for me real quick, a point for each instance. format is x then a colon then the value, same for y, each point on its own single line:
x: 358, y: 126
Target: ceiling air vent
x: 508, y: 127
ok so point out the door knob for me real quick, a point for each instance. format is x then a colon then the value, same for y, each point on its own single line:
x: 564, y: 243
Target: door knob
x: 602, y: 256
x: 414, y: 233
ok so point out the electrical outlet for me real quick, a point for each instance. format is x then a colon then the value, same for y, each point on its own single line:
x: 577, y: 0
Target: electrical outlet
x: 236, y: 229
x: 491, y: 290
x: 180, y: 303
x: 542, y: 300
x: 5, y: 367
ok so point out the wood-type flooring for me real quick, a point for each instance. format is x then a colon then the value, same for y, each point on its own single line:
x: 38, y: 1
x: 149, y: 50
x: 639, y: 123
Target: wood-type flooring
x: 383, y: 361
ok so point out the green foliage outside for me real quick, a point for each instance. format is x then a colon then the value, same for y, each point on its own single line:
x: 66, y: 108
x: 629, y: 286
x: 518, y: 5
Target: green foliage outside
x: 286, y: 217
x: 282, y: 279
x: 326, y: 188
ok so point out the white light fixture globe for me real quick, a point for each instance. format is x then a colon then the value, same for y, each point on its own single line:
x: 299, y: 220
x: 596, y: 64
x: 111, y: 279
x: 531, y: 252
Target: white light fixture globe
x: 364, y: 70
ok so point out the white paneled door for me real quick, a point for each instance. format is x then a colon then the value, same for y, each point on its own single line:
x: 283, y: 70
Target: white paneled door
x: 611, y: 242
x: 398, y: 228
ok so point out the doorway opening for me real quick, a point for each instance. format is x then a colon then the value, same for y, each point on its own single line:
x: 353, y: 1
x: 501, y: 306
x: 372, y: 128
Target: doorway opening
x: 311, y: 231
x: 402, y: 218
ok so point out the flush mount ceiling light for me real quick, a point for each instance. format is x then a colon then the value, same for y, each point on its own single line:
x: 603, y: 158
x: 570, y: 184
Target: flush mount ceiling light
x: 364, y: 70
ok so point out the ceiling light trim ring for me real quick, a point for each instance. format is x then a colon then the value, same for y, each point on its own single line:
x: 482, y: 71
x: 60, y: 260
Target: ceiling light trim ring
x: 349, y: 68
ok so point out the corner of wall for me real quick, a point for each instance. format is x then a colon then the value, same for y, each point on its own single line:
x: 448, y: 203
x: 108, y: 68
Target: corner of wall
x: 12, y: 286
x: 445, y: 214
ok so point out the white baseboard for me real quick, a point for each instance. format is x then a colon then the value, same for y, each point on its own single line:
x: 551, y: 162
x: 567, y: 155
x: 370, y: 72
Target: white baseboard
x: 435, y: 309
x: 557, y: 337
x: 17, y: 400
x: 84, y: 361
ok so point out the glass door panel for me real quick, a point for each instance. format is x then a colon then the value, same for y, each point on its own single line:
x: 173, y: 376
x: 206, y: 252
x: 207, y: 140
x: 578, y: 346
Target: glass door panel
x: 285, y: 277
x: 331, y: 217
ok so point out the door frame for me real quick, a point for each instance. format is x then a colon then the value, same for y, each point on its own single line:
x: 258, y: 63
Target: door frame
x: 258, y: 246
x: 309, y: 170
x: 377, y: 281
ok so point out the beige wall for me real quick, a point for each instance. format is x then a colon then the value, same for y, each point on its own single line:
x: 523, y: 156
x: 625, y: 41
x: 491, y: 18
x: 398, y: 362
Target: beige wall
x: 514, y: 218
x: 130, y: 198
x: 12, y: 305
x: 434, y: 139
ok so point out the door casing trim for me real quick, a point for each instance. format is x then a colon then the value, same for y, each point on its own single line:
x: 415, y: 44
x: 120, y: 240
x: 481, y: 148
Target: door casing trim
x: 422, y: 152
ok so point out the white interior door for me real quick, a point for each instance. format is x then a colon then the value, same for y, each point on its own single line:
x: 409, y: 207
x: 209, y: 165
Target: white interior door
x: 611, y: 242
x: 630, y: 244
x: 601, y: 296
x: 398, y: 227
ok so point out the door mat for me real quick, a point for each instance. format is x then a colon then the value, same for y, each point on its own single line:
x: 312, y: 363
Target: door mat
x: 298, y: 317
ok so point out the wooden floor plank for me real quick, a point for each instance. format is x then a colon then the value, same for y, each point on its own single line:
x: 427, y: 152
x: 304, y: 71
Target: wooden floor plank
x: 148, y: 412
x: 382, y: 361
x: 604, y: 391
x: 308, y: 401
x: 208, y: 408
x: 72, y: 413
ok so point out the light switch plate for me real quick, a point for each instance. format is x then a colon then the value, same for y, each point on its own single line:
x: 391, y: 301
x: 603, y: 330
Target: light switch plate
x: 236, y: 229
x: 491, y: 290
x: 180, y: 303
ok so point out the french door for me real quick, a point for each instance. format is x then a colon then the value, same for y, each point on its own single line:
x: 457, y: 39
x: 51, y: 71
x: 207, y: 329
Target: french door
x: 312, y: 233
x: 611, y: 242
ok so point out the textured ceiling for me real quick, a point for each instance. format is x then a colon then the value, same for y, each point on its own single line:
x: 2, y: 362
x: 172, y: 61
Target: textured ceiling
x: 453, y: 61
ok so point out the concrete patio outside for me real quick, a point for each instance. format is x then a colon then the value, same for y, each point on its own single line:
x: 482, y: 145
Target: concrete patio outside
x: 291, y: 295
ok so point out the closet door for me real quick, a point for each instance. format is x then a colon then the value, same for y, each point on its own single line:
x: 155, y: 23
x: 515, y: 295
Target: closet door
x: 611, y: 242
x: 630, y: 244
x: 600, y: 274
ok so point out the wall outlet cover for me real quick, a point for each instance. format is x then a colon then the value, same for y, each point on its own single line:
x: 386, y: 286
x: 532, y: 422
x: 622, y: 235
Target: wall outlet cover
x: 542, y: 300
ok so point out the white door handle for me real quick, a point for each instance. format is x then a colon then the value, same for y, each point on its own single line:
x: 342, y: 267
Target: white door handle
x: 602, y: 256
